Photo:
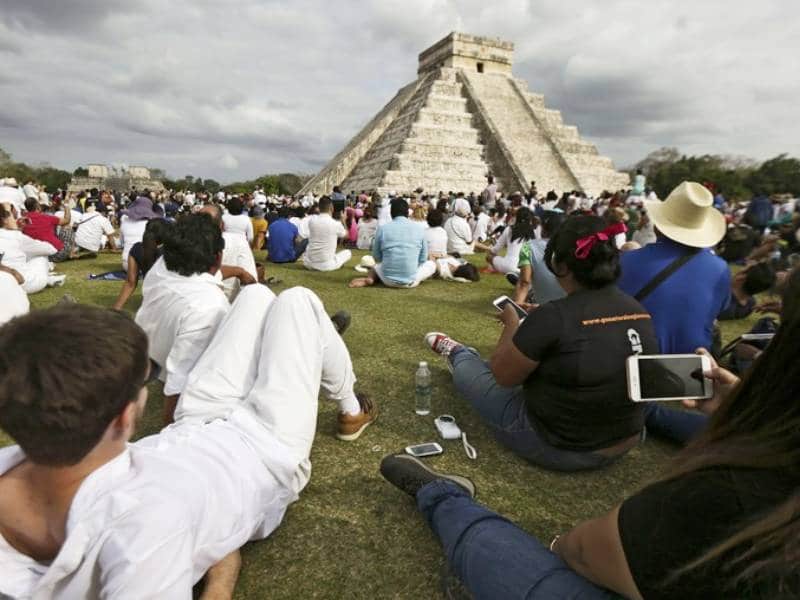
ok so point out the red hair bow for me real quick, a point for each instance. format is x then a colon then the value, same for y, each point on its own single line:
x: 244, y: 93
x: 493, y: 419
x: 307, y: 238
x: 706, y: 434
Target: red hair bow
x: 584, y: 245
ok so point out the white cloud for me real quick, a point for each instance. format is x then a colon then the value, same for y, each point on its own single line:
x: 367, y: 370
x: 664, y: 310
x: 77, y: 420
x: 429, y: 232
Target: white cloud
x: 282, y: 86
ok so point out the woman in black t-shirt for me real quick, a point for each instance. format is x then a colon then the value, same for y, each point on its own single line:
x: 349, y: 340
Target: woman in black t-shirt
x: 555, y: 389
x: 724, y: 522
x: 142, y: 256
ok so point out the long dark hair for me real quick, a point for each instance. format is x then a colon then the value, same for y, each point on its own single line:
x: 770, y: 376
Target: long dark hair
x: 758, y: 427
x: 154, y: 234
x: 524, y: 226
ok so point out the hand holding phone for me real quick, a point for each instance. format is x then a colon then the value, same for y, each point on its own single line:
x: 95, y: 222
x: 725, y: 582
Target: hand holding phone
x: 662, y: 377
x: 722, y: 382
x: 504, y: 301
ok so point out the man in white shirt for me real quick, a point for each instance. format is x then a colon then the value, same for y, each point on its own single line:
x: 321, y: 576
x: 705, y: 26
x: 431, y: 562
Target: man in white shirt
x: 459, y: 233
x: 480, y: 225
x: 85, y: 514
x: 94, y: 230
x: 323, y: 234
x: 10, y: 193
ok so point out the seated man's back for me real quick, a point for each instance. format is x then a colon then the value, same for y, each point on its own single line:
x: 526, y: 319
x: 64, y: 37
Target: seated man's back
x: 402, y: 248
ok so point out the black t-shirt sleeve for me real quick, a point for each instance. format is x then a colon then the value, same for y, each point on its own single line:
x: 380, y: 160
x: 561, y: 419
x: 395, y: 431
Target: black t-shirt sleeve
x: 540, y: 331
x: 669, y: 524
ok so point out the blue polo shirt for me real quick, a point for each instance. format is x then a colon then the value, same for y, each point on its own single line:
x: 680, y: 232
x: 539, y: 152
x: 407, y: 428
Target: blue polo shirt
x: 401, y: 248
x: 685, y: 305
x: 280, y: 243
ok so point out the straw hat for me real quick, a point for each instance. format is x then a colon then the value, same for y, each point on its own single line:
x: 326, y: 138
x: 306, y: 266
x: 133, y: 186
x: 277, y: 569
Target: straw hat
x: 688, y: 216
x: 367, y: 262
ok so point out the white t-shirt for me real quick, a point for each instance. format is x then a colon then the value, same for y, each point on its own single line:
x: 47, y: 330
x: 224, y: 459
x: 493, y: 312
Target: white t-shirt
x: 323, y: 234
x: 13, y: 196
x: 459, y: 236
x: 366, y: 234
x: 240, y: 224
x: 480, y: 228
x: 437, y: 240
x: 302, y: 225
x: 91, y: 229
x: 130, y: 233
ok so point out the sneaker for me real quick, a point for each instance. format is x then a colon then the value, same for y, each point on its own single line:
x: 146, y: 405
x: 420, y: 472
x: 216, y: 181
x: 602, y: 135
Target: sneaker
x: 56, y: 280
x: 352, y: 426
x: 341, y: 321
x: 512, y: 278
x: 409, y: 474
x: 441, y: 343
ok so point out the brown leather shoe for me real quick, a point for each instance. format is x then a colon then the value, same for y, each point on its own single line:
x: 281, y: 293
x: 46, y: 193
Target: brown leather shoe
x: 352, y: 426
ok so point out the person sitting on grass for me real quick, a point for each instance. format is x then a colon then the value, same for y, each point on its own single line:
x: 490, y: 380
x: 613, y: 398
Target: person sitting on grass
x: 25, y: 255
x: 555, y: 388
x: 435, y: 235
x: 720, y: 523
x: 323, y: 234
x: 400, y: 251
x: 86, y: 514
x: 367, y: 228
x: 748, y: 282
x: 142, y: 256
x: 284, y: 244
x: 52, y: 230
x: 512, y: 240
x: 459, y: 232
x: 535, y: 281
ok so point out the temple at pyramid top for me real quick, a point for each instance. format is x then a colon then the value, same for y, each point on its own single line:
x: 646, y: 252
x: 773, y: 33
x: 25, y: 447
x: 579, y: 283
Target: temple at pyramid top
x: 466, y: 116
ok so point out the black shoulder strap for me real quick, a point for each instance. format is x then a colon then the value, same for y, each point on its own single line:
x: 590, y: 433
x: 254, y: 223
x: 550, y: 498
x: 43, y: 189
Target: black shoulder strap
x: 664, y: 274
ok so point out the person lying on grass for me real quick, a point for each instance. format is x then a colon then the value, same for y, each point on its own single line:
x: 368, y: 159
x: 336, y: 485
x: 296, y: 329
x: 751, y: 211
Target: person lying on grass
x: 86, y: 514
x: 722, y: 522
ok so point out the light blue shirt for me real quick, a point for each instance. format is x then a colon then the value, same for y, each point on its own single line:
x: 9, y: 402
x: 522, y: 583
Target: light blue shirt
x: 401, y: 248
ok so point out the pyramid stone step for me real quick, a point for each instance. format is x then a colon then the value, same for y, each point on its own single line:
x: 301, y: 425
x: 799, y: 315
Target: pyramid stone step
x: 459, y: 167
x: 438, y: 151
x: 446, y: 133
x: 446, y: 103
x: 439, y: 117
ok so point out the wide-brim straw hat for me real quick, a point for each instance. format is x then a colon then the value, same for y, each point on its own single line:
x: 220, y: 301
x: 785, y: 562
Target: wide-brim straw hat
x: 688, y: 216
x: 367, y: 262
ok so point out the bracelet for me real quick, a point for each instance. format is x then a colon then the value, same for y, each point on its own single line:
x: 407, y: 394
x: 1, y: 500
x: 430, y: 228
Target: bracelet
x: 553, y: 543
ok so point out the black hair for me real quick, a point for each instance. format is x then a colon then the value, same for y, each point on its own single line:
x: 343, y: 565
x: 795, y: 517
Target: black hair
x: 758, y: 278
x: 523, y: 227
x: 551, y: 222
x: 399, y: 208
x: 299, y: 212
x: 598, y: 269
x: 467, y: 271
x: 193, y: 245
x: 324, y: 204
x: 435, y: 217
x: 235, y: 206
x: 155, y: 233
x: 31, y: 204
x: 283, y: 212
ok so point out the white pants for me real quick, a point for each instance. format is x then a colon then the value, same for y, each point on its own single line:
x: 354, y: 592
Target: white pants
x: 506, y: 264
x: 265, y: 366
x: 13, y: 299
x: 35, y: 272
x: 339, y: 259
x: 425, y: 271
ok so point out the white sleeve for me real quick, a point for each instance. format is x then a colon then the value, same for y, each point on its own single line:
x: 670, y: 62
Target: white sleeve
x: 250, y: 235
x: 465, y: 233
x: 191, y: 341
x: 135, y: 564
x: 108, y: 228
x: 340, y: 230
x: 33, y: 248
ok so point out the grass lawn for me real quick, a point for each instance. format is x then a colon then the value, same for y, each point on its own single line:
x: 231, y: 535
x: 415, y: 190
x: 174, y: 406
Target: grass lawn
x: 351, y: 534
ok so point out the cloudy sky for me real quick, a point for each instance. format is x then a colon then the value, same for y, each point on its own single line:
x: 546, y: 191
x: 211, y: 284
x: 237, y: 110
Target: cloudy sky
x: 232, y: 89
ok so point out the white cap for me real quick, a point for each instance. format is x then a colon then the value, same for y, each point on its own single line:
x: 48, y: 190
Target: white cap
x: 423, y: 363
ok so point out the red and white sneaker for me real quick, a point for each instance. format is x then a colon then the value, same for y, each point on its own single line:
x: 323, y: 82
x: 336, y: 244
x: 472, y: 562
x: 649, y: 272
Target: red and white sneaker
x: 441, y: 343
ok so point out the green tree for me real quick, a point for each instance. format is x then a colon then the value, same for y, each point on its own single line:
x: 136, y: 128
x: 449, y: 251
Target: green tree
x: 779, y: 175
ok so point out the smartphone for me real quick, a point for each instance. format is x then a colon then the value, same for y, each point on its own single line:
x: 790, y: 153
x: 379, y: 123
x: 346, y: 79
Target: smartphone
x: 657, y: 377
x: 420, y: 450
x: 757, y: 337
x: 501, y: 302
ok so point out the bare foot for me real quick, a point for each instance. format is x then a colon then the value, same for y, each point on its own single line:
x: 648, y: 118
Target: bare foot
x: 360, y: 282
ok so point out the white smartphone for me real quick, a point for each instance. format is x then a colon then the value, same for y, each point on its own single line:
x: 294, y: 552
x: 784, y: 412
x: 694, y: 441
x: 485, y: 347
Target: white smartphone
x: 657, y: 377
x: 757, y: 337
x: 501, y: 302
x: 420, y: 450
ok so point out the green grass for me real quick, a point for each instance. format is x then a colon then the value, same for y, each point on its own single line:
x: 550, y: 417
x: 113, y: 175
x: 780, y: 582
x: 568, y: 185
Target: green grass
x: 351, y: 534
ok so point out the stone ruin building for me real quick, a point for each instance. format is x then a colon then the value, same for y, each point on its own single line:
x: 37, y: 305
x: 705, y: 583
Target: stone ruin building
x: 123, y: 179
x: 464, y: 117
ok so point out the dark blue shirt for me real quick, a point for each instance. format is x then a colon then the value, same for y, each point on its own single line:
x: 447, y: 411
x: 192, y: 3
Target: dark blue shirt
x: 685, y: 305
x: 280, y: 243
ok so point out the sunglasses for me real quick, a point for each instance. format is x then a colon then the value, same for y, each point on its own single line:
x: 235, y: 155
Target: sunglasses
x: 155, y: 371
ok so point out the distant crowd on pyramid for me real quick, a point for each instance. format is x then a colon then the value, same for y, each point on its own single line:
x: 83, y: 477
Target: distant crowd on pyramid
x: 593, y: 282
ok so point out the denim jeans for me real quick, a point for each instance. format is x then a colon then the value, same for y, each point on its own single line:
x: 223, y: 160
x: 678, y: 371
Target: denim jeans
x: 505, y: 411
x: 678, y: 426
x: 493, y: 557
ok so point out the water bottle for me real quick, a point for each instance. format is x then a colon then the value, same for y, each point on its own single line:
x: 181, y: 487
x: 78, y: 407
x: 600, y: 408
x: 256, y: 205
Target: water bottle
x: 423, y: 389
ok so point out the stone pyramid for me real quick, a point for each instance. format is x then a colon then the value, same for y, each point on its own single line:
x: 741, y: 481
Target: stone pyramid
x: 465, y: 117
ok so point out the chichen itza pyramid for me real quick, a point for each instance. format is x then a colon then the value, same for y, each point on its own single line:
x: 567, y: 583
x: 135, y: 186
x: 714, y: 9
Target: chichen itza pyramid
x: 464, y: 117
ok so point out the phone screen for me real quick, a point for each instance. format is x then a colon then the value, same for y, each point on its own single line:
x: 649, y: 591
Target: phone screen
x: 423, y: 449
x: 502, y: 304
x: 671, y: 377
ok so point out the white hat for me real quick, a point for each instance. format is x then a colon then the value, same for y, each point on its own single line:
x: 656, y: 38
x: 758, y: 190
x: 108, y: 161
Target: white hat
x: 10, y: 181
x: 367, y: 262
x: 688, y: 216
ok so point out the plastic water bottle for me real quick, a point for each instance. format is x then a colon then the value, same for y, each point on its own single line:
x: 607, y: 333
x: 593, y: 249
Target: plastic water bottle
x: 423, y: 389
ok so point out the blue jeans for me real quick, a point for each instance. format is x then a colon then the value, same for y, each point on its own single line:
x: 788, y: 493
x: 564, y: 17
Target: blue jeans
x: 493, y: 557
x: 678, y: 426
x: 505, y: 411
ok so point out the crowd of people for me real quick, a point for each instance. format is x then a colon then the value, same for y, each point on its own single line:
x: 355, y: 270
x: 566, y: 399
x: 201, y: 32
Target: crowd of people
x: 86, y: 513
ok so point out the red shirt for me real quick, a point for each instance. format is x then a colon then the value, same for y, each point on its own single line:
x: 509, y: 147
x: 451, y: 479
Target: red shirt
x: 43, y: 227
